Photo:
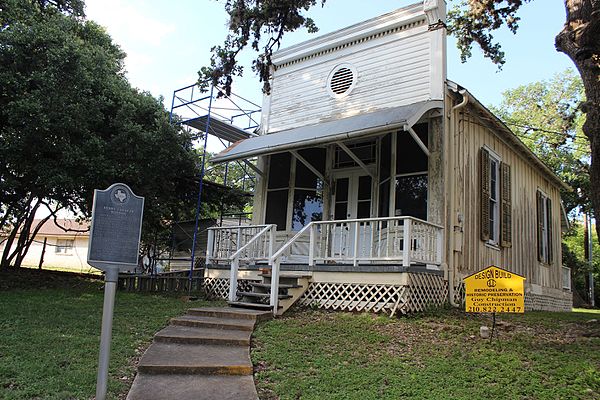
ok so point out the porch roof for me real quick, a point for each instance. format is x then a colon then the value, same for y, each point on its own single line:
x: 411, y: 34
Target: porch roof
x: 328, y: 132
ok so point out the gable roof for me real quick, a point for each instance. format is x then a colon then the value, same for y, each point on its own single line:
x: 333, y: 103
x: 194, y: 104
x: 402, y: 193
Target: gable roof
x: 71, y: 227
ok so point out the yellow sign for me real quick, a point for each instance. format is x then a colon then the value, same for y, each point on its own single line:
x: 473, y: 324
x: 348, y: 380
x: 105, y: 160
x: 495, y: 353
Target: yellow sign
x: 494, y: 290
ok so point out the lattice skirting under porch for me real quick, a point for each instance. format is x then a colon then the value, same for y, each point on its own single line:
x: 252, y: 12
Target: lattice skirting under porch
x: 422, y: 292
x: 218, y: 288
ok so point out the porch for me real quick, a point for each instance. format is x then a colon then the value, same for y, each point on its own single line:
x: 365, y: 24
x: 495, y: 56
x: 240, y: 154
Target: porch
x: 390, y: 264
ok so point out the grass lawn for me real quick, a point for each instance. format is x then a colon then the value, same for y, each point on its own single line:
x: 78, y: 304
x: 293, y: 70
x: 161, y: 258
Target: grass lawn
x: 50, y: 335
x: 320, y: 355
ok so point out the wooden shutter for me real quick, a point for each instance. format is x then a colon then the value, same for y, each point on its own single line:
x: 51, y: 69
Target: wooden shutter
x: 549, y: 232
x: 506, y: 206
x: 484, y: 168
x: 540, y: 225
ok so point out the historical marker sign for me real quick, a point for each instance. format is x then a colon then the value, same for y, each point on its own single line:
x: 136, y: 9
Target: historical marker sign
x: 116, y: 228
x: 494, y: 290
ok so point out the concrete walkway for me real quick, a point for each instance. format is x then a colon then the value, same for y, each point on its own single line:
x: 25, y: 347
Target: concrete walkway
x: 203, y: 355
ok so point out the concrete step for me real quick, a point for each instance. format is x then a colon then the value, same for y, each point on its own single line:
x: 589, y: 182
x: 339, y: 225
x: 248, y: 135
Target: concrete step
x: 255, y: 306
x: 229, y: 312
x: 192, y: 387
x: 214, y: 323
x: 190, y: 335
x: 262, y: 295
x: 175, y: 358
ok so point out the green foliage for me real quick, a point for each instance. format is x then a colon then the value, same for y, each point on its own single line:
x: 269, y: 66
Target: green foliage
x: 474, y: 21
x: 574, y: 257
x: 70, y: 122
x: 547, y: 117
x: 361, y: 356
x: 249, y: 23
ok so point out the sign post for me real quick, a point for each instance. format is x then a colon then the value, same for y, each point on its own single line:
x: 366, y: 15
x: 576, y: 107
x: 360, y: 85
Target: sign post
x: 113, y: 247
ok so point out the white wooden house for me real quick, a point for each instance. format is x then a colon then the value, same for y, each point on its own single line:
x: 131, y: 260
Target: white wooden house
x: 381, y: 184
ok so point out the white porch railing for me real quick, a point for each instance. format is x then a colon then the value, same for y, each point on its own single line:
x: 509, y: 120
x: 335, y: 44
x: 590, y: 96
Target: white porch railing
x: 566, y: 278
x: 404, y: 240
x: 249, y: 242
x: 370, y: 240
x: 235, y: 243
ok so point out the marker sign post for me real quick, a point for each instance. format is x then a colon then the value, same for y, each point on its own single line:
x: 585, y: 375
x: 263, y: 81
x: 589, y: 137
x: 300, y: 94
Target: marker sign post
x: 494, y: 290
x: 113, y: 247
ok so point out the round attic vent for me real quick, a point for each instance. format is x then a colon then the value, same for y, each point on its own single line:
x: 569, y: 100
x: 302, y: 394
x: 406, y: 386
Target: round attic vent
x: 341, y: 80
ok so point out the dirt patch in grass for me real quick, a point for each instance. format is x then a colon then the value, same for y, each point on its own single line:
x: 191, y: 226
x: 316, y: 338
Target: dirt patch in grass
x: 313, y: 354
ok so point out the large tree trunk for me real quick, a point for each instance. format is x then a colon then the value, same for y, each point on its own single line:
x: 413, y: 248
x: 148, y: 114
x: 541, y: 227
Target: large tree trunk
x: 580, y: 40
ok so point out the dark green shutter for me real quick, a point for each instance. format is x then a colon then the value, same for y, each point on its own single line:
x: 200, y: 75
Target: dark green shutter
x: 549, y: 232
x: 484, y: 168
x: 506, y: 206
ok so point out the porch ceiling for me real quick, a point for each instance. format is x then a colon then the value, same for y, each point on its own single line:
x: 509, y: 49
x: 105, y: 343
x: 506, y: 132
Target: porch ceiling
x: 328, y: 132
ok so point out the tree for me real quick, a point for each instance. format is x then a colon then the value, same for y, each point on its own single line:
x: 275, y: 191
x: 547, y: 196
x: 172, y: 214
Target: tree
x: 546, y: 116
x: 70, y: 122
x: 471, y: 21
x: 575, y: 257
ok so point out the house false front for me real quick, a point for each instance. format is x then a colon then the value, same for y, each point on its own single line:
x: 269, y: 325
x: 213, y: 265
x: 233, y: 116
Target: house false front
x: 360, y: 192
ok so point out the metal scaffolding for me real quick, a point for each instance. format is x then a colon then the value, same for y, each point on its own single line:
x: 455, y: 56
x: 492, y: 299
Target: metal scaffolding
x: 228, y: 118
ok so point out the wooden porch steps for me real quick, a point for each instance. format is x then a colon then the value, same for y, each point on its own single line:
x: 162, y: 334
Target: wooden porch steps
x: 251, y: 306
x: 265, y: 295
x: 291, y: 287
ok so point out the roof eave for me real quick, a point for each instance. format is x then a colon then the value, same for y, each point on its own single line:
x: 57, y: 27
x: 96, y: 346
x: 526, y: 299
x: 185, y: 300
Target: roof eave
x: 509, y: 135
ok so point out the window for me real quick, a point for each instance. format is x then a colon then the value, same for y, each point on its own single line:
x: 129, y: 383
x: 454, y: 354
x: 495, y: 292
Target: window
x: 365, y: 151
x: 308, y: 189
x: 411, y: 178
x: 544, y: 231
x: 494, y: 221
x: 411, y: 195
x: 385, y: 169
x: 496, y: 204
x: 64, y: 246
x: 278, y: 190
x: 305, y: 189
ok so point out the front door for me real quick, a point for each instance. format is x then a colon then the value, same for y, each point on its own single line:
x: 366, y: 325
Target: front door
x: 352, y: 196
x: 352, y: 199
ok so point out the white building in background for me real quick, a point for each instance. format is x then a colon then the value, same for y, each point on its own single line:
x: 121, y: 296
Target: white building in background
x: 64, y: 249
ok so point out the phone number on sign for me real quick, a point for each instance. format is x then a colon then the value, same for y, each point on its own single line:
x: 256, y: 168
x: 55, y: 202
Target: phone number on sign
x: 513, y: 309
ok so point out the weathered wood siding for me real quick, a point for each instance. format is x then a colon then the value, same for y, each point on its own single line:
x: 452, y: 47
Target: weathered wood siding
x: 393, y: 70
x: 472, y: 132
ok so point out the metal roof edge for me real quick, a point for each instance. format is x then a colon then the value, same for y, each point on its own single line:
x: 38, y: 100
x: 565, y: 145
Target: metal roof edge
x: 266, y: 148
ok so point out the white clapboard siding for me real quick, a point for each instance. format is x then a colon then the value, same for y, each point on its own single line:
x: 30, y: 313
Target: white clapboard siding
x: 393, y: 70
x: 471, y: 134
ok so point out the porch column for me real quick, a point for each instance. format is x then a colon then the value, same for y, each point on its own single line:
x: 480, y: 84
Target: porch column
x: 436, y: 189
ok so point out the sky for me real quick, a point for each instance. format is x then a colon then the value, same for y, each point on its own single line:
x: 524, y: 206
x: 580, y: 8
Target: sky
x: 167, y: 42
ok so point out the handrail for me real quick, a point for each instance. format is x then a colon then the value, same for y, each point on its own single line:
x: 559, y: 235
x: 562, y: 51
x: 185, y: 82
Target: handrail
x: 213, y: 231
x: 235, y: 257
x: 292, y: 240
x: 401, y: 239
x: 216, y: 228
x: 251, y: 241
